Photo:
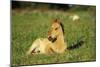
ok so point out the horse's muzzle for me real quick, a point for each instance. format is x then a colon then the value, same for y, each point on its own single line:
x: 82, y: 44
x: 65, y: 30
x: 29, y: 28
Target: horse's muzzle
x: 52, y: 39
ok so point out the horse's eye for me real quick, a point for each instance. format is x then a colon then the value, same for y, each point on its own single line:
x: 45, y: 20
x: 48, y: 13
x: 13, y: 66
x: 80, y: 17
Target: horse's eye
x: 56, y: 28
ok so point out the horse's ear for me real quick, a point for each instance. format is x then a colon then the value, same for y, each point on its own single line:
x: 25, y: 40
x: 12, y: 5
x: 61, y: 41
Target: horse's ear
x: 56, y: 21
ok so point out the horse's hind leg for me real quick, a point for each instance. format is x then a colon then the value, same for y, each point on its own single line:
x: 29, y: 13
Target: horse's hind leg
x: 34, y: 47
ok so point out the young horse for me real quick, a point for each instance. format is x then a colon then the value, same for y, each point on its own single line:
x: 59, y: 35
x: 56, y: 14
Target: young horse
x: 53, y: 44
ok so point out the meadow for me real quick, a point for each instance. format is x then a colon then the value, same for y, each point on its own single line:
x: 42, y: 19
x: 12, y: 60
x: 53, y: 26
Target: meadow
x: 27, y: 26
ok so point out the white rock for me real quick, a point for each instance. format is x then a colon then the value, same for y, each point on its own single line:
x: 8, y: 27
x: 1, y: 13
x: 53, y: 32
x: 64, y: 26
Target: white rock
x: 75, y: 17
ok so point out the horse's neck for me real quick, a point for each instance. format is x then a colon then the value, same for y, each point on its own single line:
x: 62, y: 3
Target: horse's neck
x: 60, y: 40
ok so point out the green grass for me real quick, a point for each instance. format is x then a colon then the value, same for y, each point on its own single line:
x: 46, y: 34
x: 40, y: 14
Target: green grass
x: 28, y: 26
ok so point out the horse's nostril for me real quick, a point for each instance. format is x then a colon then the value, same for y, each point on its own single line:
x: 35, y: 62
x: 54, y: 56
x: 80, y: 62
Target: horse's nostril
x: 50, y: 38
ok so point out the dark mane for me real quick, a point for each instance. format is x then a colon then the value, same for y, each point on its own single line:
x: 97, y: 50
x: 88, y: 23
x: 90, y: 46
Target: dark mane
x: 62, y: 26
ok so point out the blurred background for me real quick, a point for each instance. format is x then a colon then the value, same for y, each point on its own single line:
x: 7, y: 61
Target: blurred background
x: 53, y: 6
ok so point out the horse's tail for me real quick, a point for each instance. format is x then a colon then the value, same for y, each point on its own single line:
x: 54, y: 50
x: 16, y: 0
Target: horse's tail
x: 76, y: 44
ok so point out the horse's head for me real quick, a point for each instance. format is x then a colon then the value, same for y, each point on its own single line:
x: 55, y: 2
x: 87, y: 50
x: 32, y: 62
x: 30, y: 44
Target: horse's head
x: 55, y: 31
